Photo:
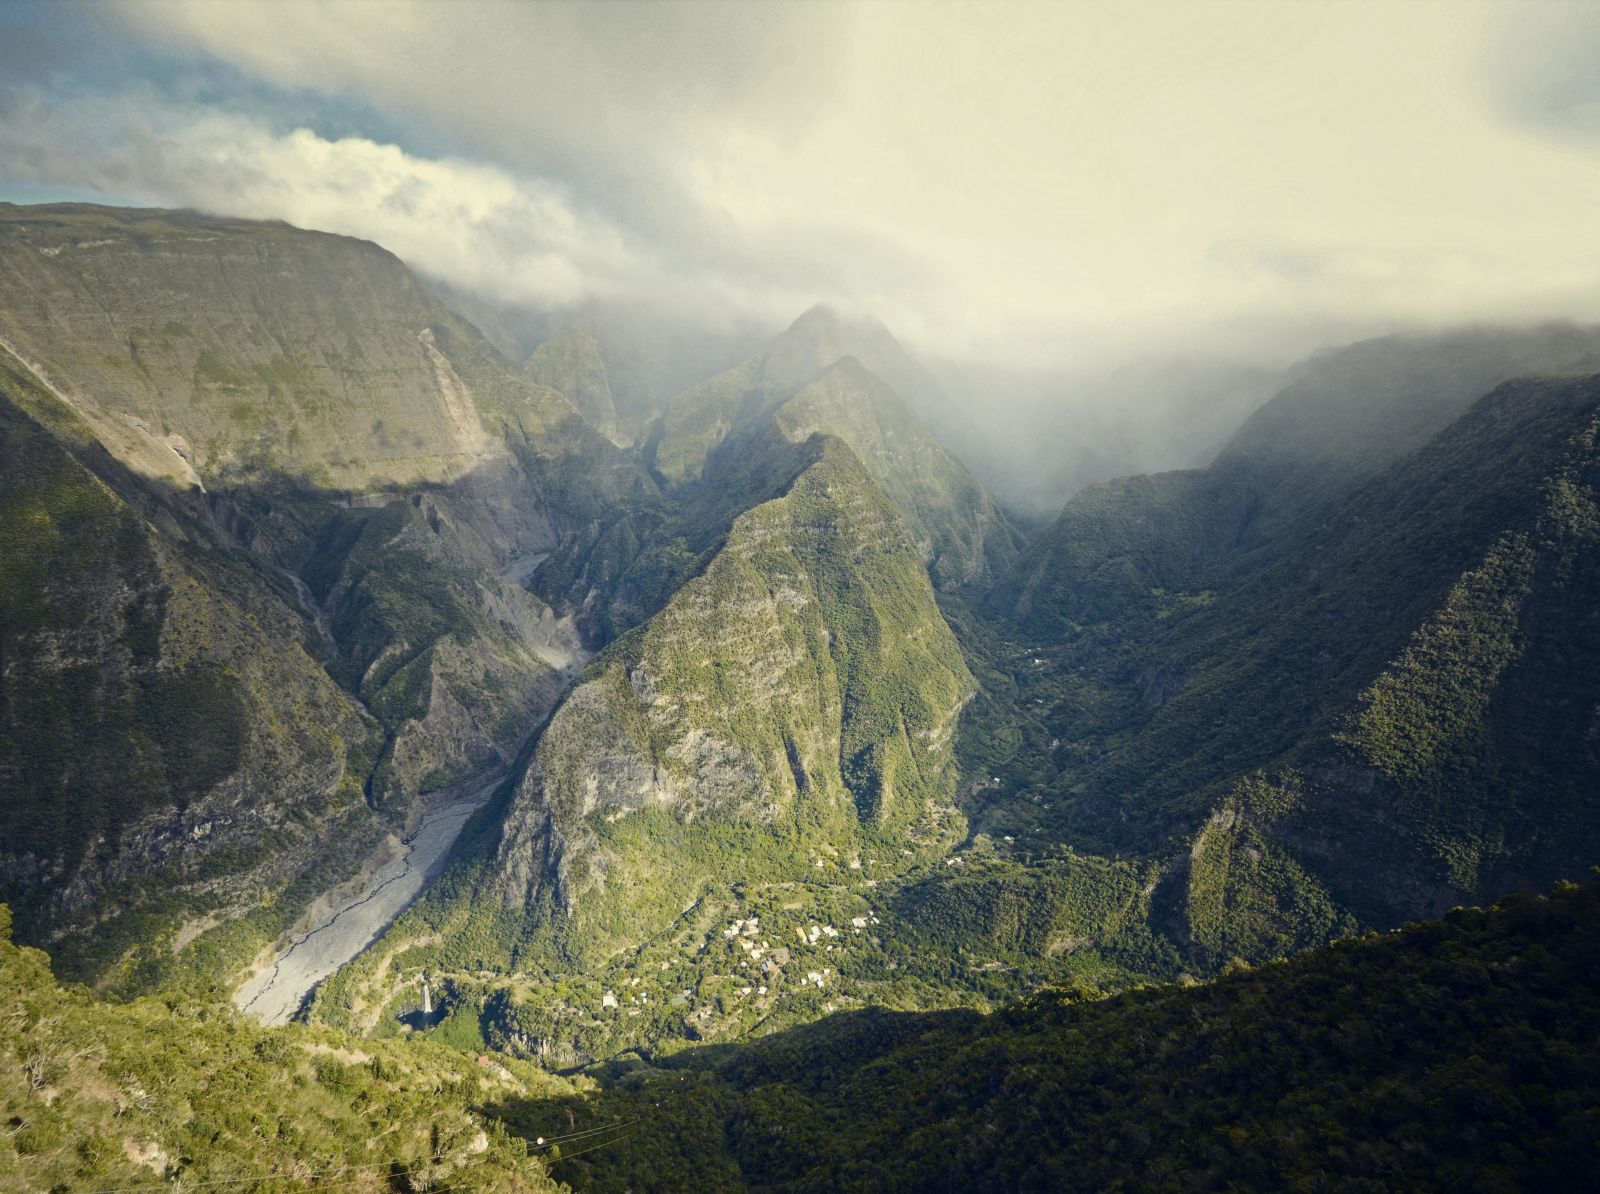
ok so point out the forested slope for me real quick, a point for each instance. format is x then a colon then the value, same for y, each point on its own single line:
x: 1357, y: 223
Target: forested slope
x: 268, y: 508
x: 1458, y: 1054
x: 184, y: 1094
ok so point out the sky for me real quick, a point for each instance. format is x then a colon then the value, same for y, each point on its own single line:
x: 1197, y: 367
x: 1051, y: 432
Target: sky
x: 1034, y: 184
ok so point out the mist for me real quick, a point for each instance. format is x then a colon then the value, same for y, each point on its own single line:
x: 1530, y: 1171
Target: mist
x: 1108, y: 227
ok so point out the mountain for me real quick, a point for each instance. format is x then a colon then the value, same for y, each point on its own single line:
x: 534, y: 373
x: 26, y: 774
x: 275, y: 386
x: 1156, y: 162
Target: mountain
x: 649, y: 354
x: 269, y: 507
x: 849, y: 379
x: 699, y: 419
x: 291, y: 359
x: 621, y: 570
x: 1347, y: 414
x: 161, y: 713
x: 804, y: 683
x: 1452, y: 1055
x: 779, y: 733
x: 957, y: 529
x: 1359, y: 407
x: 571, y: 363
x: 341, y: 654
x: 1371, y: 708
x: 297, y: 353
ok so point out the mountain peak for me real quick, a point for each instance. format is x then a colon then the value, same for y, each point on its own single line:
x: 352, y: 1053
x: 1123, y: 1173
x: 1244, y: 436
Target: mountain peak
x: 817, y: 313
x: 825, y: 319
x: 822, y: 336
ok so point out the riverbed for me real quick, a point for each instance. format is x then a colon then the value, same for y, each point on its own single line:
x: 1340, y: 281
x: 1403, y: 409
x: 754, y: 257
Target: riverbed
x: 275, y: 994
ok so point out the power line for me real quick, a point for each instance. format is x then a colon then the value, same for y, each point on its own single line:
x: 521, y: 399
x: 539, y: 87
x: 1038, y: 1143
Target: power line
x: 592, y: 1147
x: 543, y: 1141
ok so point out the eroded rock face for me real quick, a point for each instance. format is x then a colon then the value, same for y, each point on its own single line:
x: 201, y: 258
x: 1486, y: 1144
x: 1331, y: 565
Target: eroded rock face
x: 268, y: 513
x: 158, y: 709
x: 458, y: 662
x: 804, y: 686
x: 224, y: 347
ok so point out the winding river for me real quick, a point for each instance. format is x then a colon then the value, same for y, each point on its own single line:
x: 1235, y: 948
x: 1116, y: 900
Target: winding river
x: 277, y: 993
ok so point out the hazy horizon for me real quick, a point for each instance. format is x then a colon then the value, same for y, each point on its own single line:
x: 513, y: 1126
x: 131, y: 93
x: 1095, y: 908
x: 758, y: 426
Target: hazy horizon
x: 1033, y: 186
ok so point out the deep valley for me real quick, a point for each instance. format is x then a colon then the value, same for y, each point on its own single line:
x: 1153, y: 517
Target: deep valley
x: 764, y: 802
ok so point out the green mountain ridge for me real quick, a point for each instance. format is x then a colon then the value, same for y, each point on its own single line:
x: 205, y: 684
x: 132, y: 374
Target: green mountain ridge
x: 832, y: 684
x: 780, y: 733
x: 623, y: 570
x: 851, y: 380
x: 958, y: 531
x: 698, y: 420
x: 1382, y: 715
x: 1451, y: 1055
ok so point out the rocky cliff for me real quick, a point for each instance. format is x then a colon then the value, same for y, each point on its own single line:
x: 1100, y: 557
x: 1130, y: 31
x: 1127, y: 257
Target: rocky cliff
x: 799, y: 695
x: 270, y: 511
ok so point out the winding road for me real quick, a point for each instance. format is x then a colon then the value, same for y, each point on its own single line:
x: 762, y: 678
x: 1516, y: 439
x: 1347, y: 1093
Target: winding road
x: 277, y: 993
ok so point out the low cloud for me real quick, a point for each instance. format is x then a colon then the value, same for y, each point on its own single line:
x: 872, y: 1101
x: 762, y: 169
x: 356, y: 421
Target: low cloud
x: 472, y: 224
x: 1033, y: 183
x: 500, y: 236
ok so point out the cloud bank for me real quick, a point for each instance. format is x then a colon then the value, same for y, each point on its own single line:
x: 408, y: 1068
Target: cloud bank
x: 1032, y: 183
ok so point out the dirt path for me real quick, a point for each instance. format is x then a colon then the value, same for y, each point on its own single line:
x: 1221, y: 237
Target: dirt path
x: 277, y: 993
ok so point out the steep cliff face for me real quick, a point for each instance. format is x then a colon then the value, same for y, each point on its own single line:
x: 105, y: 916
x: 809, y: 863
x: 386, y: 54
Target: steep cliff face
x: 571, y: 363
x: 800, y: 695
x: 164, y: 735
x: 303, y: 501
x: 240, y: 347
x: 455, y: 659
x: 212, y: 351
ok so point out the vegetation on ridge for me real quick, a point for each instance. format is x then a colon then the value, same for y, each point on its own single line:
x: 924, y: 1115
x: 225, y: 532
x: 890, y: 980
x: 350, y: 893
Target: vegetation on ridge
x: 1451, y: 1055
x: 178, y: 1093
